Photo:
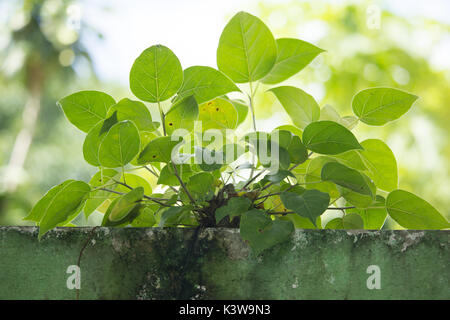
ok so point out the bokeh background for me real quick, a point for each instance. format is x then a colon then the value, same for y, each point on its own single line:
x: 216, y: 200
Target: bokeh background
x: 51, y: 48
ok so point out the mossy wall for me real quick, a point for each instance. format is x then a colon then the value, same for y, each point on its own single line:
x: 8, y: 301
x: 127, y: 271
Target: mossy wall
x: 155, y: 263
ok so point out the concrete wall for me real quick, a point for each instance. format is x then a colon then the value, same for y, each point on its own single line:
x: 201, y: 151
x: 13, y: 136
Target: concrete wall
x: 155, y: 263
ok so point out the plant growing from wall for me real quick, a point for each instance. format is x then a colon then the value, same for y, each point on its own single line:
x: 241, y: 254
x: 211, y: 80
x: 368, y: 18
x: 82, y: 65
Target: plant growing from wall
x: 293, y: 175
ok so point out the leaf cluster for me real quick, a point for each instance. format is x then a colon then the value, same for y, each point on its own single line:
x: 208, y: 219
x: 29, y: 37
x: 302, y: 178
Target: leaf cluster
x: 321, y: 165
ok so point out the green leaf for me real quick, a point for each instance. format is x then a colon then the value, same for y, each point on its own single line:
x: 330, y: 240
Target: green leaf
x: 168, y: 178
x: 300, y: 106
x: 374, y: 216
x: 297, y: 151
x: 261, y: 232
x: 293, y: 129
x: 97, y: 197
x: 156, y: 75
x: 120, y: 145
x: 345, y: 177
x: 412, y: 212
x: 134, y: 181
x: 218, y: 114
x: 247, y: 49
x: 159, y: 150
x: 125, y: 204
x: 357, y: 199
x: 59, y: 205
x: 94, y: 139
x: 329, y: 113
x: 145, y: 219
x: 205, y: 84
x: 293, y: 56
x: 200, y: 185
x: 208, y: 160
x: 268, y: 151
x: 182, y: 115
x: 313, y: 177
x: 135, y: 111
x: 301, y: 222
x: 310, y: 204
x: 175, y: 215
x: 328, y: 137
x: 377, y: 106
x: 85, y: 109
x: 234, y: 207
x: 349, y: 221
x: 381, y: 164
x: 280, y: 175
x: 241, y: 108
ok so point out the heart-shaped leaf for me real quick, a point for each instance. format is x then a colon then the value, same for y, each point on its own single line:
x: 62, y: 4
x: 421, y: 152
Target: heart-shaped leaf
x: 120, y: 145
x: 377, y: 106
x: 247, y: 49
x: 412, y: 212
x: 156, y: 75
x: 159, y: 150
x: 329, y: 137
x: 293, y: 56
x: 345, y: 177
x: 85, y: 109
x: 310, y: 204
x: 205, y: 83
x: 261, y: 232
x: 182, y: 115
x: 300, y: 106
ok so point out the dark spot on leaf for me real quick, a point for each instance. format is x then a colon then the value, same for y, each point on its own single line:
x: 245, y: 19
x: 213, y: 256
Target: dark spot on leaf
x: 217, y: 109
x: 170, y: 124
x: 154, y: 156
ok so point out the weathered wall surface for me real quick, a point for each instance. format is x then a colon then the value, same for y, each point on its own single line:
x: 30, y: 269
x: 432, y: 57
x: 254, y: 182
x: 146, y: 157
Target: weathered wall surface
x: 154, y: 263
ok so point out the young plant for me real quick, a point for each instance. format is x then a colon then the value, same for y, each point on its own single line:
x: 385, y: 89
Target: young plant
x: 294, y: 173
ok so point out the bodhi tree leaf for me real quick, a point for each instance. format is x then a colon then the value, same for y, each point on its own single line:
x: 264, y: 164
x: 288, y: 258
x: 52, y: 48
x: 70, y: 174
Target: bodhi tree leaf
x: 328, y: 137
x: 247, y: 49
x: 329, y: 113
x: 145, y: 219
x: 300, y: 106
x: 345, y: 177
x: 125, y: 204
x: 293, y: 56
x: 96, y: 198
x: 412, y: 212
x: 241, y: 108
x: 85, y: 109
x: 136, y: 111
x: 156, y: 75
x: 159, y: 150
x: 182, y: 115
x: 168, y: 178
x: 349, y: 221
x: 234, y: 207
x: 297, y: 151
x: 134, y: 181
x: 218, y: 114
x: 95, y: 137
x: 60, y: 205
x: 261, y: 232
x: 205, y: 83
x: 313, y: 177
x: 374, y: 216
x: 377, y: 106
x: 200, y: 184
x: 357, y: 199
x: 381, y: 164
x: 310, y: 204
x: 120, y: 145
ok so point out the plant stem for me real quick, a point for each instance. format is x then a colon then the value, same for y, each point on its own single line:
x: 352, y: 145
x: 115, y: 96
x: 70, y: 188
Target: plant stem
x: 163, y: 118
x: 182, y: 183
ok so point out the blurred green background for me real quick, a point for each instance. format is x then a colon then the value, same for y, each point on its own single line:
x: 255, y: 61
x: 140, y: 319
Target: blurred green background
x: 50, y: 48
